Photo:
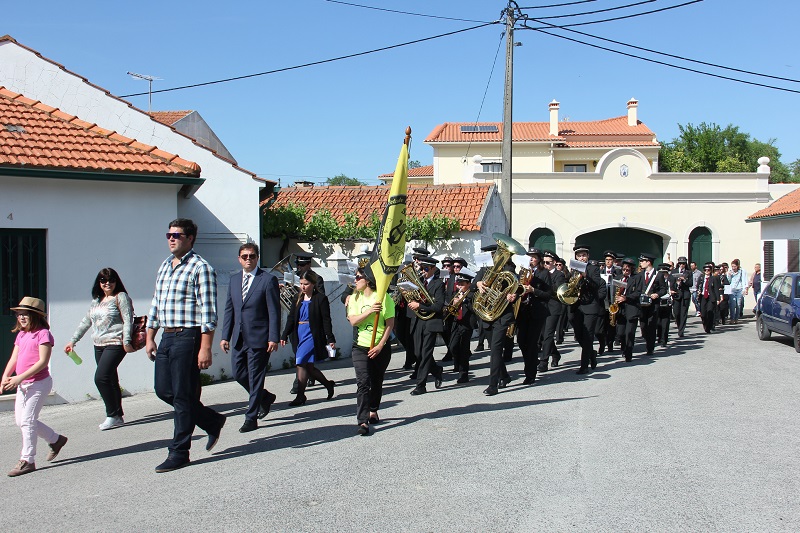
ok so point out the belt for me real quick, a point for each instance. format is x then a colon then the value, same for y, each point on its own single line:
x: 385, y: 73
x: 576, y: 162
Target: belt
x: 178, y: 330
x: 303, y: 322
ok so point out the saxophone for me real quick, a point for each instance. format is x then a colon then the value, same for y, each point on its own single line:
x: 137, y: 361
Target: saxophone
x: 613, y: 308
x: 499, y: 283
x: 408, y: 273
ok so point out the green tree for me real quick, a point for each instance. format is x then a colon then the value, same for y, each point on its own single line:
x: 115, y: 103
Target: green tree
x: 794, y: 168
x: 414, y: 164
x: 341, y: 179
x: 711, y: 148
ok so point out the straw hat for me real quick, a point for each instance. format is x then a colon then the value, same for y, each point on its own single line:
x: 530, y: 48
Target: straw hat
x: 31, y: 304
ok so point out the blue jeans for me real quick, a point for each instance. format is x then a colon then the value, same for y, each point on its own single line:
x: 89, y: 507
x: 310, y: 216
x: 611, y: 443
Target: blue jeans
x: 735, y: 303
x: 177, y: 382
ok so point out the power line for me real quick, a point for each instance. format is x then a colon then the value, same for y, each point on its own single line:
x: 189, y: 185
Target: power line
x: 560, y: 5
x: 598, y: 10
x: 663, y: 62
x: 400, y: 12
x: 620, y: 17
x: 313, y: 63
x: 486, y: 91
x: 666, y: 54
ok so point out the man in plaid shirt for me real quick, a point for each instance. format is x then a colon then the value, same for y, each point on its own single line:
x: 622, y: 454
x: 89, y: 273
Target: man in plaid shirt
x: 185, y: 306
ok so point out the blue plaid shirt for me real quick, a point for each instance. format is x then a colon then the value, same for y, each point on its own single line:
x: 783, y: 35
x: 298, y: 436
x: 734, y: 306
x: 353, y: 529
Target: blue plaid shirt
x: 186, y: 296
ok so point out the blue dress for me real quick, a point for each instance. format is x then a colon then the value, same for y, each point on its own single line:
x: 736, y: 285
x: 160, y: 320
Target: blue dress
x: 305, y: 342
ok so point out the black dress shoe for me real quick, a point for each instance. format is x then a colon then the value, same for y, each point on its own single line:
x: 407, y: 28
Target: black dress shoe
x: 529, y: 381
x: 363, y: 430
x: 593, y: 361
x: 490, y: 391
x: 374, y: 419
x: 266, y: 403
x: 556, y: 359
x: 249, y: 425
x: 172, y: 463
x: 582, y: 370
x: 413, y: 375
x: 310, y: 382
x: 480, y: 348
x: 418, y: 390
x: 213, y: 436
x: 408, y: 367
x: 463, y: 379
x: 542, y: 366
x: 437, y: 380
x: 628, y: 358
x: 331, y: 386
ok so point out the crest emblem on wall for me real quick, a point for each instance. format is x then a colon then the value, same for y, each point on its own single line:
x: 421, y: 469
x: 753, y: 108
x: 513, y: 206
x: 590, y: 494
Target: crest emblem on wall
x: 623, y: 171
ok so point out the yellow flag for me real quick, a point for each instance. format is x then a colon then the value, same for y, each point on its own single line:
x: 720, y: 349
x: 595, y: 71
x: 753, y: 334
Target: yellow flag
x: 390, y: 245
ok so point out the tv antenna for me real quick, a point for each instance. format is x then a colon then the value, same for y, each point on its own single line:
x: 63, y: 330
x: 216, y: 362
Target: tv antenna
x: 150, y: 79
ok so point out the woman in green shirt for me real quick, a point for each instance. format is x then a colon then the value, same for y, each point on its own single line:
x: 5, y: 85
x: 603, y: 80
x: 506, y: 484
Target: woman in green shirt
x: 370, y: 363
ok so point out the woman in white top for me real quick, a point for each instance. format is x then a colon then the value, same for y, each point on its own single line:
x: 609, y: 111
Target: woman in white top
x: 111, y: 316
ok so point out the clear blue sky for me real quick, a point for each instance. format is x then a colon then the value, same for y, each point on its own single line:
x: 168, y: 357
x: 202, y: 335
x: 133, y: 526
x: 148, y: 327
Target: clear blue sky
x: 349, y: 116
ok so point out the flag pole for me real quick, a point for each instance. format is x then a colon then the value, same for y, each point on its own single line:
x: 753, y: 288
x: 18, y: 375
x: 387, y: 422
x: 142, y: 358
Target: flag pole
x: 387, y: 255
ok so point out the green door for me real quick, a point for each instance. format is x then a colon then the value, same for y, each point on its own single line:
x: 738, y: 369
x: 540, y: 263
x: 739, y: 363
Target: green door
x: 543, y: 239
x: 628, y: 241
x: 23, y: 272
x: 700, y: 246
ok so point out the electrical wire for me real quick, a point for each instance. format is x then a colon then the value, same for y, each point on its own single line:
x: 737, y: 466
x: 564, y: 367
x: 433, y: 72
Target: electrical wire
x: 313, y: 63
x: 622, y: 17
x: 486, y: 91
x: 560, y: 5
x: 663, y: 63
x: 553, y: 26
x: 401, y: 12
x: 598, y: 10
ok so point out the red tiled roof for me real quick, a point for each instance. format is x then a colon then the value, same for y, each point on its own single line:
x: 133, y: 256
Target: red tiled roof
x: 35, y: 135
x: 788, y: 204
x: 169, y: 117
x: 571, y: 134
x: 418, y: 172
x: 8, y: 38
x: 464, y: 202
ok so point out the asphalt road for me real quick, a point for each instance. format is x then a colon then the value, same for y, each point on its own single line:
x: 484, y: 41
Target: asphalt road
x: 702, y: 436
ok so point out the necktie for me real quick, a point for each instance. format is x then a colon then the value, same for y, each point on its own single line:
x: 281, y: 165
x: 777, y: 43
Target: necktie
x: 705, y: 288
x: 624, y: 280
x: 646, y: 279
x: 245, y: 285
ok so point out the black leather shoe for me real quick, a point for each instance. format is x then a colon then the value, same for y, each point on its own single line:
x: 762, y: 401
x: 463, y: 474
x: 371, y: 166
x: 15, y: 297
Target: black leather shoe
x: 490, y: 391
x: 363, y: 429
x: 299, y: 400
x: 418, y: 390
x: 556, y: 359
x: 437, y: 380
x: 463, y: 379
x: 628, y: 358
x: 413, y: 375
x: 330, y: 386
x: 502, y: 384
x: 374, y: 419
x: 172, y: 463
x: 542, y: 367
x: 213, y: 436
x: 593, y: 361
x: 529, y: 381
x: 266, y: 403
x: 249, y: 425
x: 582, y: 370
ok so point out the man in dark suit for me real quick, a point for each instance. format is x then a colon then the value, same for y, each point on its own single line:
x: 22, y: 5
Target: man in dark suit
x: 533, y: 313
x: 448, y: 278
x: 424, y: 331
x: 587, y: 310
x: 709, y: 296
x: 251, y: 331
x: 682, y: 294
x: 649, y: 283
x: 555, y: 312
x: 605, y: 333
x: 628, y: 315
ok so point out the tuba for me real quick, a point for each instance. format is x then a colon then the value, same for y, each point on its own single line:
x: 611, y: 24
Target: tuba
x: 287, y: 290
x: 499, y: 283
x: 408, y: 273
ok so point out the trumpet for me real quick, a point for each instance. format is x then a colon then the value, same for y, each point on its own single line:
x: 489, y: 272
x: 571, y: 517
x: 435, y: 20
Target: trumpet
x: 455, y: 304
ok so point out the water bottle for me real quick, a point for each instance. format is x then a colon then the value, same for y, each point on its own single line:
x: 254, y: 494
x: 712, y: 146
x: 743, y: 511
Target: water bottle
x: 75, y: 357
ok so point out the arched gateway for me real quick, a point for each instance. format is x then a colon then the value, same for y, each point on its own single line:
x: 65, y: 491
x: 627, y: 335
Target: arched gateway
x: 629, y: 241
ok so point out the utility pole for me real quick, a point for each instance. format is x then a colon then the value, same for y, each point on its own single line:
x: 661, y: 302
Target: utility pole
x: 505, y: 178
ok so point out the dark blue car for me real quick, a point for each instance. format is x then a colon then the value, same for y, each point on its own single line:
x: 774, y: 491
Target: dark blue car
x: 779, y: 308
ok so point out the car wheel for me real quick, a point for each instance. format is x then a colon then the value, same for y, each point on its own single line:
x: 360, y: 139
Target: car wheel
x: 796, y: 336
x: 763, y: 330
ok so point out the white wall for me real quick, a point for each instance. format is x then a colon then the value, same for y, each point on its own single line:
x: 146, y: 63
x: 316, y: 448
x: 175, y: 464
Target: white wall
x: 92, y: 225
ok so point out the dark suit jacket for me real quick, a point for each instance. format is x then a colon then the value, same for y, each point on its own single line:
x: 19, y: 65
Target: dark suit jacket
x: 714, y: 292
x: 593, y: 292
x: 537, y: 303
x: 435, y: 324
x: 681, y: 286
x: 258, y: 319
x: 636, y: 286
x: 319, y: 320
x: 557, y: 278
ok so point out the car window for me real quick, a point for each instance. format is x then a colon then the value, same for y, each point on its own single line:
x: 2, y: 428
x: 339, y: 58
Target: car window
x: 785, y: 292
x: 797, y: 287
x: 772, y: 289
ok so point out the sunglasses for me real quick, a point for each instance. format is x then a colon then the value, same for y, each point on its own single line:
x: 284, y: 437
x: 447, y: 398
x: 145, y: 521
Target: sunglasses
x: 248, y: 257
x: 177, y: 236
x: 107, y: 280
x: 425, y: 268
x: 359, y: 276
x: 547, y: 261
x: 458, y: 265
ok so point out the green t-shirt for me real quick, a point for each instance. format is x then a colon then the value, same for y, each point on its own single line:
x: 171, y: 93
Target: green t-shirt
x: 359, y: 304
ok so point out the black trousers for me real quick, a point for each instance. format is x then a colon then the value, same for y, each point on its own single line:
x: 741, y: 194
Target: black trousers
x: 177, y: 382
x: 649, y: 321
x: 549, y: 338
x: 460, y: 336
x: 584, y: 326
x: 680, y: 308
x: 403, y: 333
x: 629, y: 337
x: 424, y: 343
x: 708, y: 313
x: 664, y: 320
x: 498, y: 344
x: 250, y: 369
x: 106, y: 378
x: 369, y: 380
x: 529, y: 329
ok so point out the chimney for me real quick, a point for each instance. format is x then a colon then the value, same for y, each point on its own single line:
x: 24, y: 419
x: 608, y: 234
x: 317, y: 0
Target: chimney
x: 303, y: 184
x: 554, y: 118
x: 633, y: 105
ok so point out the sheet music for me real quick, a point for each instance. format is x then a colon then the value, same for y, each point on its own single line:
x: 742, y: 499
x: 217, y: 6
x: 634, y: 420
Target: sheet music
x: 521, y: 261
x: 619, y: 283
x: 574, y: 264
x: 407, y: 286
x: 483, y: 259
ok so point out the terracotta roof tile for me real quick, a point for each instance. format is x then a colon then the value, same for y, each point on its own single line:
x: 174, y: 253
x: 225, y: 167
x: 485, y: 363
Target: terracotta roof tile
x: 50, y: 138
x: 169, y: 117
x: 579, y: 133
x: 464, y: 202
x: 788, y: 204
x: 418, y: 172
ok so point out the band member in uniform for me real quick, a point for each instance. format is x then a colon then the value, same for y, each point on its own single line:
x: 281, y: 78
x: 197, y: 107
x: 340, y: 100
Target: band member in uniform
x: 555, y: 312
x: 424, y: 331
x: 566, y: 314
x: 533, y: 313
x: 586, y: 311
x: 402, y: 329
x: 664, y: 304
x: 412, y: 357
x: 708, y: 296
x: 681, y: 294
x: 449, y: 281
x: 724, y: 308
x: 495, y: 332
x: 605, y: 333
x: 649, y: 284
x: 463, y: 322
x: 628, y: 315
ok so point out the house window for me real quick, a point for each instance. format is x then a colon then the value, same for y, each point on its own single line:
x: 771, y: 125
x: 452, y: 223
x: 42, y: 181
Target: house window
x: 492, y: 167
x: 574, y: 168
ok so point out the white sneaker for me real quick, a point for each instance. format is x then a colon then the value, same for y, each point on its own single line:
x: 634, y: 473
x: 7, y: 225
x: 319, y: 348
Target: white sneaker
x: 111, y: 422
